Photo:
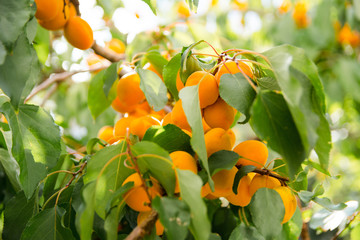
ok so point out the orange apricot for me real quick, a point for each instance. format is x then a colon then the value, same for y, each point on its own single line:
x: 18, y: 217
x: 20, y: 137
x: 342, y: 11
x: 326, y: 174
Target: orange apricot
x: 262, y: 181
x: 233, y: 68
x: 128, y: 89
x: 300, y: 14
x: 178, y: 116
x: 243, y: 197
x: 179, y: 83
x: 219, y: 115
x: 289, y: 202
x: 136, y: 197
x: 189, y: 133
x: 121, y: 107
x: 217, y: 139
x: 167, y: 119
x: 139, y: 125
x: 232, y: 137
x: 106, y: 133
x: 158, y: 226
x: 206, y: 126
x: 252, y: 152
x: 78, y: 33
x: 208, y: 88
x: 48, y: 9
x: 122, y: 127
x: 223, y: 182
x: 183, y: 160
x: 60, y: 19
x: 115, y: 45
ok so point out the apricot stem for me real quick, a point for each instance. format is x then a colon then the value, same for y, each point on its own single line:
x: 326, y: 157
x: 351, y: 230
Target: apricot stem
x: 77, y: 5
x: 144, y: 228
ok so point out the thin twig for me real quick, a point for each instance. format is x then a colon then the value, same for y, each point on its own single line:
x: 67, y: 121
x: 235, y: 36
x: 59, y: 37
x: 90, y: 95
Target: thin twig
x: 144, y: 228
x: 268, y: 173
x: 305, y: 232
x: 108, y: 54
x: 77, y: 6
x: 51, y: 91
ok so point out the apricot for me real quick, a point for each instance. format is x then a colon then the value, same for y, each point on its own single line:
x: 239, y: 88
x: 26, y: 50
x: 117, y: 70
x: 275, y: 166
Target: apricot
x: 183, y: 10
x: 232, y: 137
x: 78, y: 33
x: 48, y: 9
x: 60, y: 19
x: 122, y: 127
x: 121, y: 107
x: 243, y: 197
x: 136, y: 197
x: 139, y: 125
x: 289, y: 202
x: 189, y: 133
x: 178, y: 116
x: 252, y: 152
x: 217, y: 139
x: 219, y: 115
x: 223, y: 182
x: 262, y: 181
x: 230, y: 67
x: 179, y: 83
x: 158, y: 226
x: 128, y: 89
x: 115, y: 45
x: 206, y: 126
x: 167, y: 119
x: 183, y: 160
x: 208, y: 88
x: 106, y: 133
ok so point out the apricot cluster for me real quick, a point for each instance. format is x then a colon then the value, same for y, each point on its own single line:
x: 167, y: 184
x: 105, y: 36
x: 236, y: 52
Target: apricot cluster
x: 61, y: 15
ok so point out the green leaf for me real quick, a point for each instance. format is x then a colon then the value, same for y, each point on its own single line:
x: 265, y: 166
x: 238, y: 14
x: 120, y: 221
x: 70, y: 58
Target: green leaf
x: 307, y: 196
x: 169, y: 137
x: 86, y: 211
x: 11, y: 168
x: 153, y: 88
x: 106, y: 168
x: 190, y: 191
x: 273, y: 123
x: 237, y: 92
x: 47, y: 225
x: 222, y: 159
x: 242, y: 172
x: 31, y: 28
x: 112, y: 220
x: 326, y: 203
x: 152, y: 5
x: 193, y: 4
x: 245, y: 233
x: 151, y: 157
x: 2, y: 53
x: 156, y: 59
x: 170, y: 73
x: 267, y: 211
x: 268, y: 83
x: 188, y: 63
x: 357, y: 10
x: 99, y: 100
x: 292, y: 229
x: 223, y: 222
x: 13, y: 17
x: 18, y: 211
x: 42, y: 44
x: 20, y: 71
x: 174, y: 215
x: 191, y: 106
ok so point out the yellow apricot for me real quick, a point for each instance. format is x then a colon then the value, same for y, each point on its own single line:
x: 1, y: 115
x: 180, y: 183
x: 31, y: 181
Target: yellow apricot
x: 178, y: 116
x: 141, y: 110
x: 122, y: 127
x: 300, y: 14
x: 60, y: 19
x: 78, y: 33
x: 158, y: 226
x: 243, y: 197
x: 232, y: 137
x: 139, y: 125
x: 208, y: 88
x: 128, y: 89
x: 183, y: 160
x: 289, y: 202
x: 48, y: 9
x: 183, y: 10
x: 252, y: 152
x: 206, y: 126
x: 115, y: 45
x: 121, y: 107
x: 219, y: 114
x: 136, y: 197
x: 262, y: 181
x: 233, y: 68
x: 217, y: 139
x: 167, y: 119
x: 106, y: 133
x: 223, y: 182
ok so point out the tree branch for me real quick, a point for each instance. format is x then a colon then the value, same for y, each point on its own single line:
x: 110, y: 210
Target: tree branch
x: 77, y: 5
x: 144, y: 228
x: 108, y: 54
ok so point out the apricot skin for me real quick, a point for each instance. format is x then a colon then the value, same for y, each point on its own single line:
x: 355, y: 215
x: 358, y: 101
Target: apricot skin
x: 46, y: 10
x: 252, y: 152
x: 219, y: 115
x: 183, y: 160
x: 78, y: 33
x: 60, y: 19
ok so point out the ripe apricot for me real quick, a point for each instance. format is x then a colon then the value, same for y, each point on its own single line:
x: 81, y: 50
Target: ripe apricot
x: 262, y: 181
x: 115, y: 45
x: 219, y: 115
x: 243, y: 197
x: 139, y: 125
x: 206, y: 126
x: 136, y: 197
x: 48, y: 9
x: 232, y: 137
x: 178, y: 116
x: 60, y: 19
x: 183, y: 10
x: 184, y: 161
x: 179, y: 83
x: 252, y: 152
x: 208, y: 88
x: 158, y: 226
x: 128, y: 89
x: 78, y: 33
x: 289, y: 202
x: 233, y: 68
x: 121, y: 107
x: 122, y: 127
x: 167, y: 119
x: 300, y: 14
x: 223, y: 182
x: 106, y: 133
x: 217, y: 139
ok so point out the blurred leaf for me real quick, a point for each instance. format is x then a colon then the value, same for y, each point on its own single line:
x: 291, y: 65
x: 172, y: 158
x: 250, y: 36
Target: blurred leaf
x: 292, y: 229
x: 326, y: 203
x: 237, y: 92
x: 307, y: 196
x: 156, y: 60
x: 188, y: 63
x: 153, y: 87
x: 223, y: 222
x: 169, y: 137
x: 13, y: 17
x: 273, y: 123
x: 170, y: 72
x: 42, y: 44
x: 98, y: 101
x: 245, y: 233
x: 193, y: 4
x: 191, y: 106
x: 151, y: 157
x: 152, y: 5
x: 174, y: 215
x: 24, y: 74
x: 222, y: 159
x: 91, y: 144
x: 18, y: 211
x: 242, y: 172
x: 190, y: 191
x: 267, y: 211
x: 357, y: 8
x: 2, y: 53
x: 31, y: 28
x: 109, y: 6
